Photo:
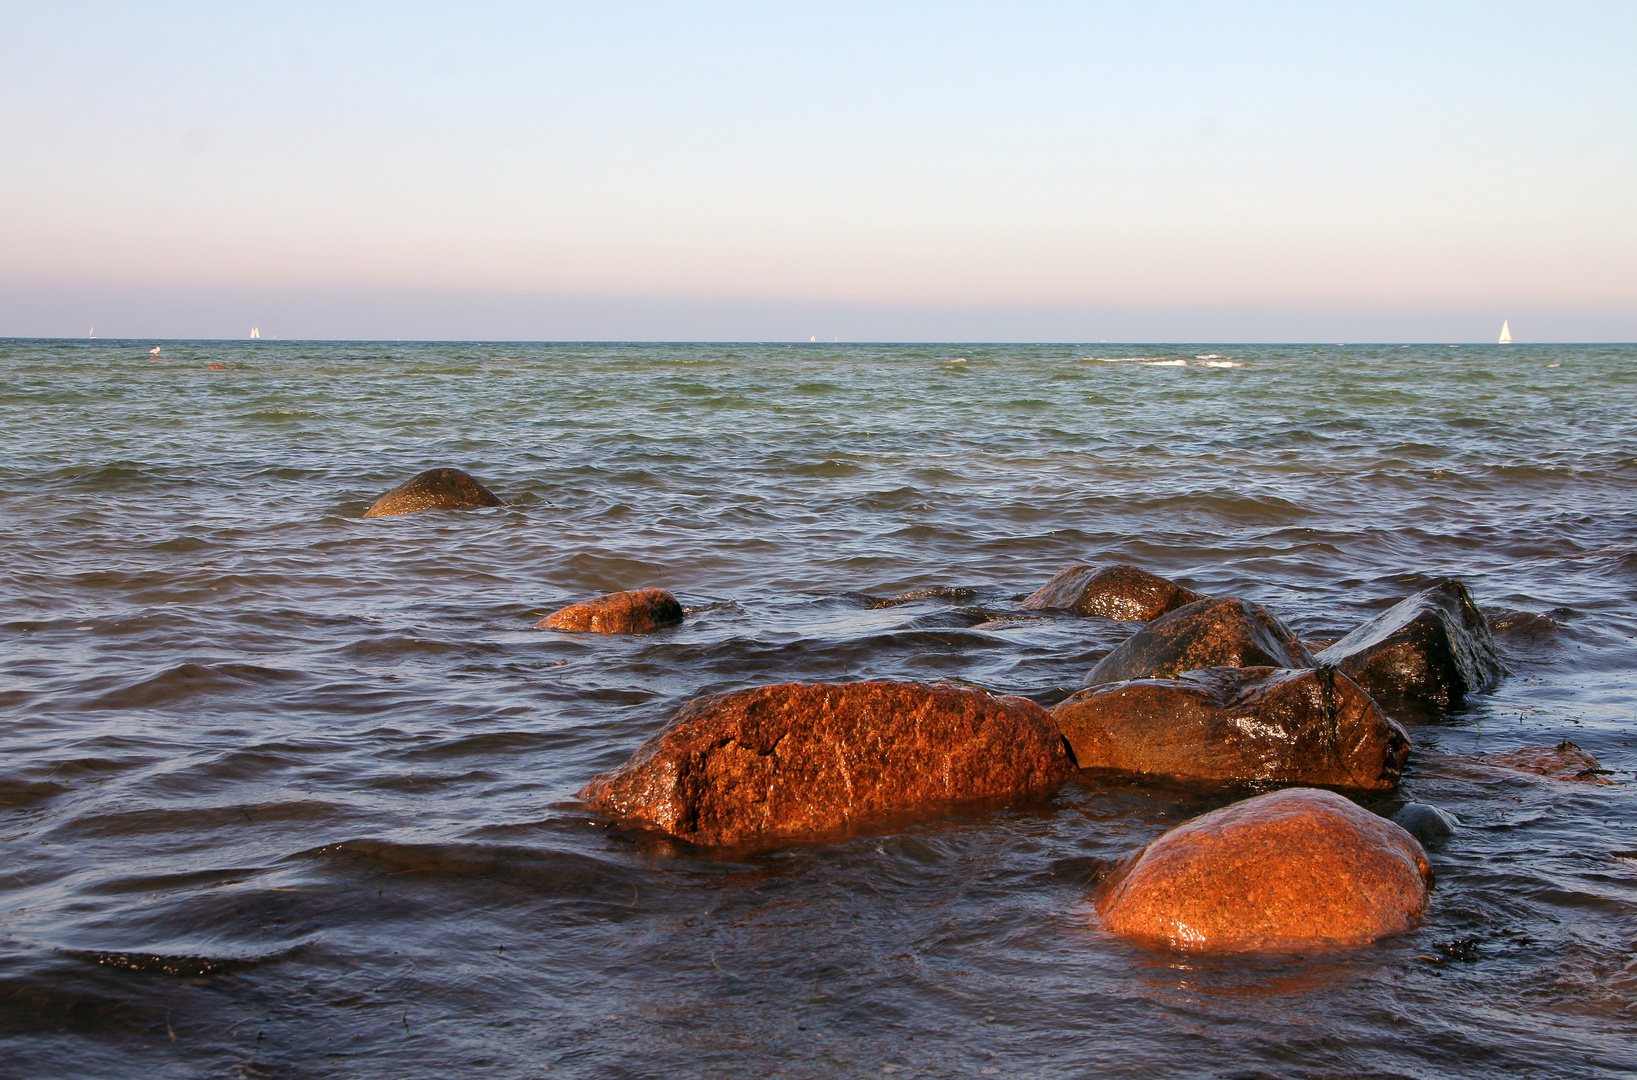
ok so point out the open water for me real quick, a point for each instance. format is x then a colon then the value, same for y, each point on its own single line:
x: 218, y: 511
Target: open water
x: 289, y: 793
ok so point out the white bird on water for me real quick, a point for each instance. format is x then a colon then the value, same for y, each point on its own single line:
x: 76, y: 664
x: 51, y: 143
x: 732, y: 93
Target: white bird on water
x: 154, y: 351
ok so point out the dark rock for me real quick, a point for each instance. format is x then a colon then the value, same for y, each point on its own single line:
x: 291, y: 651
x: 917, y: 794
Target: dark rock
x: 634, y: 612
x: 434, y: 489
x: 1428, y: 824
x: 1271, y: 725
x: 1428, y: 651
x: 1294, y: 869
x: 1206, y: 633
x: 1565, y: 761
x: 792, y: 761
x: 1114, y: 592
x: 934, y: 592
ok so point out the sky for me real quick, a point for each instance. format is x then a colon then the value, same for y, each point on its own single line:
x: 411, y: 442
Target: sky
x: 885, y: 171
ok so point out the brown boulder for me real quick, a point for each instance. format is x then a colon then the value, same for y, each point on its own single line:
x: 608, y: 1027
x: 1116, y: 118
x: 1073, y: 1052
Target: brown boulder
x: 1293, y: 869
x: 1225, y: 724
x: 796, y: 760
x: 434, y: 489
x: 1115, y: 592
x: 1428, y: 651
x: 1206, y: 633
x: 634, y: 612
x: 1565, y: 761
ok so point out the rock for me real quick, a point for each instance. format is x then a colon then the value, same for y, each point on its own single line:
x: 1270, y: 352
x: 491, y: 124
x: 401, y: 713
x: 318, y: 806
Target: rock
x: 1565, y: 761
x: 1527, y: 625
x: 934, y: 592
x: 434, y: 489
x: 1273, y: 725
x: 1115, y: 592
x: 634, y: 612
x: 794, y: 760
x: 1428, y: 651
x: 1206, y: 633
x: 1426, y: 823
x: 1294, y: 869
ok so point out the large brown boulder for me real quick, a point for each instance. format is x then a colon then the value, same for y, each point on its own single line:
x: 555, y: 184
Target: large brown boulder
x: 791, y: 761
x: 1312, y: 726
x: 1206, y: 633
x: 1428, y: 651
x: 1294, y: 869
x: 1115, y: 592
x: 434, y: 489
x: 634, y: 612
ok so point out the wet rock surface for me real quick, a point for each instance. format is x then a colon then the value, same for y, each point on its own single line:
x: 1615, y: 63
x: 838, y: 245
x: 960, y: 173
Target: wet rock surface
x: 1293, y: 869
x: 805, y: 760
x: 635, y: 612
x: 1120, y: 591
x: 1429, y: 651
x: 1565, y: 761
x: 1207, y: 633
x: 1309, y: 726
x: 1428, y: 824
x: 434, y: 489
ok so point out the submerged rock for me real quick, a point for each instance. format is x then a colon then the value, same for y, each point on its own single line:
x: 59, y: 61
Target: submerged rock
x: 1426, y: 823
x: 1204, y: 634
x: 1120, y: 591
x: 794, y: 760
x: 1565, y: 761
x: 1312, y: 726
x: 634, y: 612
x: 434, y: 489
x: 1293, y: 869
x: 1428, y: 651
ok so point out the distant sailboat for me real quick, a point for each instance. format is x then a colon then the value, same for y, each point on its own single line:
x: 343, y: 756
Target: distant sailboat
x: 255, y: 333
x: 813, y: 338
x: 93, y: 332
x: 1506, y: 332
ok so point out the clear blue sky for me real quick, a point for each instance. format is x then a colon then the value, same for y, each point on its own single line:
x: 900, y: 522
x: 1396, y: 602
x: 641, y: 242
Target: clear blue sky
x: 1130, y: 171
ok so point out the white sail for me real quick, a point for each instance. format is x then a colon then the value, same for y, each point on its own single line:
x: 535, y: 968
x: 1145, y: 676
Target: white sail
x: 1506, y: 332
x: 255, y: 333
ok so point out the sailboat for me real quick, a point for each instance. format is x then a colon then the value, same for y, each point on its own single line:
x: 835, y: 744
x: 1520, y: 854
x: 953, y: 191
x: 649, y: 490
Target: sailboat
x: 255, y: 333
x: 1506, y: 333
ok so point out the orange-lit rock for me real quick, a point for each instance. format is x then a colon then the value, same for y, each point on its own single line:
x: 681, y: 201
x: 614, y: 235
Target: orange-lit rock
x: 1311, y: 726
x: 1294, y: 869
x: 434, y: 489
x: 1206, y: 633
x: 1565, y: 761
x: 634, y: 612
x: 795, y: 760
x: 1428, y: 651
x: 1114, y: 592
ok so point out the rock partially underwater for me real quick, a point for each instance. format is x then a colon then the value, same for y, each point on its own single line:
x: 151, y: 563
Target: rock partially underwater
x: 1293, y: 869
x: 1311, y: 726
x: 434, y: 489
x: 1207, y: 633
x: 1428, y: 651
x: 634, y: 612
x: 804, y: 760
x: 1120, y: 592
x: 1565, y: 761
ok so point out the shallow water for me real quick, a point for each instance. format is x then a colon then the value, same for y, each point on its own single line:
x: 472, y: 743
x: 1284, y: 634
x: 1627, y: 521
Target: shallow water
x: 289, y: 793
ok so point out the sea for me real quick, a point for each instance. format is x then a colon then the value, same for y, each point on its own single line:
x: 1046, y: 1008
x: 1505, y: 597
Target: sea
x: 287, y: 792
